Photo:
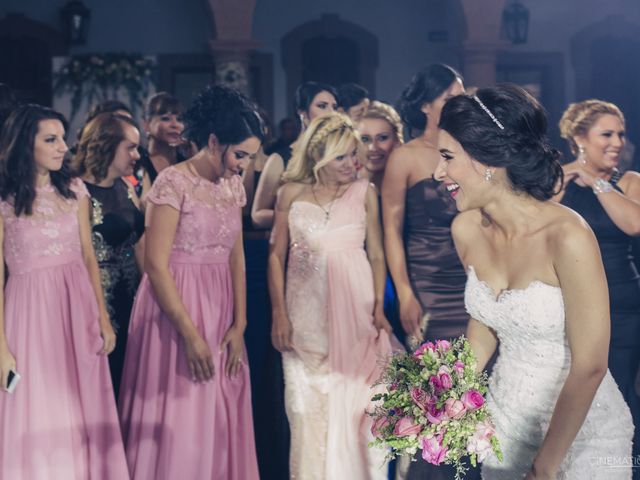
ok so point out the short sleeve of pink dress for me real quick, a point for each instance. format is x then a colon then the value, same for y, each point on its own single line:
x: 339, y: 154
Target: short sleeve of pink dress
x: 168, y: 189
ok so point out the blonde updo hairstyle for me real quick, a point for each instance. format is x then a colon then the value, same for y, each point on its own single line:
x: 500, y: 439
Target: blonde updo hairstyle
x: 579, y: 117
x: 324, y: 139
x: 383, y: 111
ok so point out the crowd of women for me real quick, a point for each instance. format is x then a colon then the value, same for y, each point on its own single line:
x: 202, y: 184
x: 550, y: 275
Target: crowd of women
x: 139, y: 261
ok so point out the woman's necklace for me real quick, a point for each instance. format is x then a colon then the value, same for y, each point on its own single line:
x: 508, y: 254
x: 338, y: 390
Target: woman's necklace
x: 327, y: 212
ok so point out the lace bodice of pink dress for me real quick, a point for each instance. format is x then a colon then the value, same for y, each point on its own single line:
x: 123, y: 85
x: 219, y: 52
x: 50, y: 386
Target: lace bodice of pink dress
x: 48, y: 237
x: 207, y: 226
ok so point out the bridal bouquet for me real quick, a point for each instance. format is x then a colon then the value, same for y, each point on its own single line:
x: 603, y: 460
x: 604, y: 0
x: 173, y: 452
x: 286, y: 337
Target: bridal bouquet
x: 434, y: 402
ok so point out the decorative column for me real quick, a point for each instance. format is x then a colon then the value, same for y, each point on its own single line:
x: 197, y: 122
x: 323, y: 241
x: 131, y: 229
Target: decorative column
x: 233, y: 44
x: 481, y: 47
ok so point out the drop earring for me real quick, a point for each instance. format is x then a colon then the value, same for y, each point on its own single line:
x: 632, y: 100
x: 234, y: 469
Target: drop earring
x: 488, y: 175
x: 582, y: 158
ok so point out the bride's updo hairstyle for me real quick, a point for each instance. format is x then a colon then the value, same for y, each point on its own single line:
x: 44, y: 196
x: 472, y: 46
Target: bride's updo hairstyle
x: 226, y: 113
x: 325, y: 138
x: 504, y: 126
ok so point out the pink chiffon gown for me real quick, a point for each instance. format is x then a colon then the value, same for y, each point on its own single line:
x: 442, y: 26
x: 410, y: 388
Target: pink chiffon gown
x: 61, y: 422
x: 173, y: 427
x: 337, y: 352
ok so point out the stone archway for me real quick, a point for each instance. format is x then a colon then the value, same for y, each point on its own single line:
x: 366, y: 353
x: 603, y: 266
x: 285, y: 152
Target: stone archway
x: 349, y: 54
x: 27, y: 48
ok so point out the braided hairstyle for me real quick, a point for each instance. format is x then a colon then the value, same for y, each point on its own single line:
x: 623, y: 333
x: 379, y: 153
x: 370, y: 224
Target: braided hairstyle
x: 224, y: 112
x: 579, y: 117
x: 326, y: 138
x: 521, y: 147
x: 383, y: 111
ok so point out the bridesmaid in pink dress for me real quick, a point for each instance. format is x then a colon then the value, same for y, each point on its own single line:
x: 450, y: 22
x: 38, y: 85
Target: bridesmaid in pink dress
x: 185, y: 397
x: 328, y: 321
x: 61, y: 421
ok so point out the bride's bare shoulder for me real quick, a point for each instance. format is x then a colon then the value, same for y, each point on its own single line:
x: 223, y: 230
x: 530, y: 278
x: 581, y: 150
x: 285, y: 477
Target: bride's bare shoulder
x: 467, y: 225
x: 566, y: 229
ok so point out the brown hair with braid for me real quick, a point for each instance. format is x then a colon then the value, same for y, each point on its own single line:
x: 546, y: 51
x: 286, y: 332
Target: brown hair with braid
x: 325, y: 138
x: 98, y: 144
x: 383, y: 111
x: 579, y: 117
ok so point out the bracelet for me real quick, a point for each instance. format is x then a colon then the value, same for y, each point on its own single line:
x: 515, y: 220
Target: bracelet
x: 600, y: 185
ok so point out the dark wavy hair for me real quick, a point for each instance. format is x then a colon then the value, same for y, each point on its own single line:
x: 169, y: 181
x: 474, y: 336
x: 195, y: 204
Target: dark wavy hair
x: 351, y: 94
x: 425, y: 86
x: 226, y: 113
x: 307, y: 91
x: 17, y: 162
x: 521, y: 147
x: 97, y: 146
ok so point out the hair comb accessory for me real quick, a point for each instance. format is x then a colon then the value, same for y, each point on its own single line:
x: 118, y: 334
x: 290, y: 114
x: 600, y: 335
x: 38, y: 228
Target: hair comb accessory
x: 488, y: 112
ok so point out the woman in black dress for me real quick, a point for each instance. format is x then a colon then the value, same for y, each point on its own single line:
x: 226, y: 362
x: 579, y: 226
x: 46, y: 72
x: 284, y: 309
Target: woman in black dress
x: 165, y: 145
x: 609, y: 200
x: 107, y: 152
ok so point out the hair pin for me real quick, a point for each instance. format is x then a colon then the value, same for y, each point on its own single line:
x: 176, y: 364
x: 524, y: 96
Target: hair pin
x: 486, y: 109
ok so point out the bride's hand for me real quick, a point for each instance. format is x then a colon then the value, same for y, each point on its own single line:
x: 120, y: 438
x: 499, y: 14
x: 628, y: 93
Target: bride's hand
x: 533, y: 474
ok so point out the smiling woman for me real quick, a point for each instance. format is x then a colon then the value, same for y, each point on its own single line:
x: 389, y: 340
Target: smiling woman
x: 610, y: 202
x: 186, y: 379
x: 536, y: 286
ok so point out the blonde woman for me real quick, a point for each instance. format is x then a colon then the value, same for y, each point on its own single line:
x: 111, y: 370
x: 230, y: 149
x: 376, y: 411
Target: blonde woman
x: 380, y: 130
x: 328, y: 318
x: 610, y: 203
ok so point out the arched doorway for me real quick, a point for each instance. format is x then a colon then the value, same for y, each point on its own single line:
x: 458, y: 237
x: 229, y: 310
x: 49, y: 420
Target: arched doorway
x: 27, y: 48
x: 329, y: 50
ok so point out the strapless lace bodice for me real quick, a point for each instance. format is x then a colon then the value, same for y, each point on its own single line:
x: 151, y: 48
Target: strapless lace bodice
x: 532, y: 365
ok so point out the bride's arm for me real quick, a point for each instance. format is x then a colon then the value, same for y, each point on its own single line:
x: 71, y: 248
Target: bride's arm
x: 483, y: 342
x: 584, y: 289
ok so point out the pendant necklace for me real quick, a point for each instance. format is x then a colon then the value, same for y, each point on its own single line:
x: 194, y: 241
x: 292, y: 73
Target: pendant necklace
x: 327, y: 212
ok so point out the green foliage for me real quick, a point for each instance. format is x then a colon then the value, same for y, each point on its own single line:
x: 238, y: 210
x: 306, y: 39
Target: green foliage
x: 96, y: 78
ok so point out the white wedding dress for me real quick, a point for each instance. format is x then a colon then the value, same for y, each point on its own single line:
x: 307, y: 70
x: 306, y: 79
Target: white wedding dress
x: 530, y: 371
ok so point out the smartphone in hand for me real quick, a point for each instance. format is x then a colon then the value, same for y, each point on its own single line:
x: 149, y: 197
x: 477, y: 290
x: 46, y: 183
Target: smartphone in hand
x: 12, y: 381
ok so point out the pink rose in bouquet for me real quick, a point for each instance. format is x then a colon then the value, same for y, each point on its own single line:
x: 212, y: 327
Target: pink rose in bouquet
x: 472, y: 399
x: 458, y: 367
x: 423, y: 348
x: 436, y: 415
x: 454, y: 408
x: 406, y: 426
x: 378, y: 426
x: 432, y: 449
x: 420, y: 398
x: 445, y: 379
x: 480, y: 441
x: 434, y: 401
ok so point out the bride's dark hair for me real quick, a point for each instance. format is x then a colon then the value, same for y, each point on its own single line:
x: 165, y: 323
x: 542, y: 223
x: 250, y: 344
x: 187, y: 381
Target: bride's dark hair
x: 17, y: 162
x: 521, y: 147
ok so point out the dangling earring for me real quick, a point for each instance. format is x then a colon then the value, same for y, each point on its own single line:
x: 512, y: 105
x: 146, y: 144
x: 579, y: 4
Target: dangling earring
x: 488, y: 175
x: 582, y: 158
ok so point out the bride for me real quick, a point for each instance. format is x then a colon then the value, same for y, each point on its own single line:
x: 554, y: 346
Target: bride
x: 536, y: 287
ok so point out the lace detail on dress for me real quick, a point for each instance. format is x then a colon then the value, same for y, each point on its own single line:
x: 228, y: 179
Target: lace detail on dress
x: 49, y: 236
x: 533, y: 363
x: 197, y: 198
